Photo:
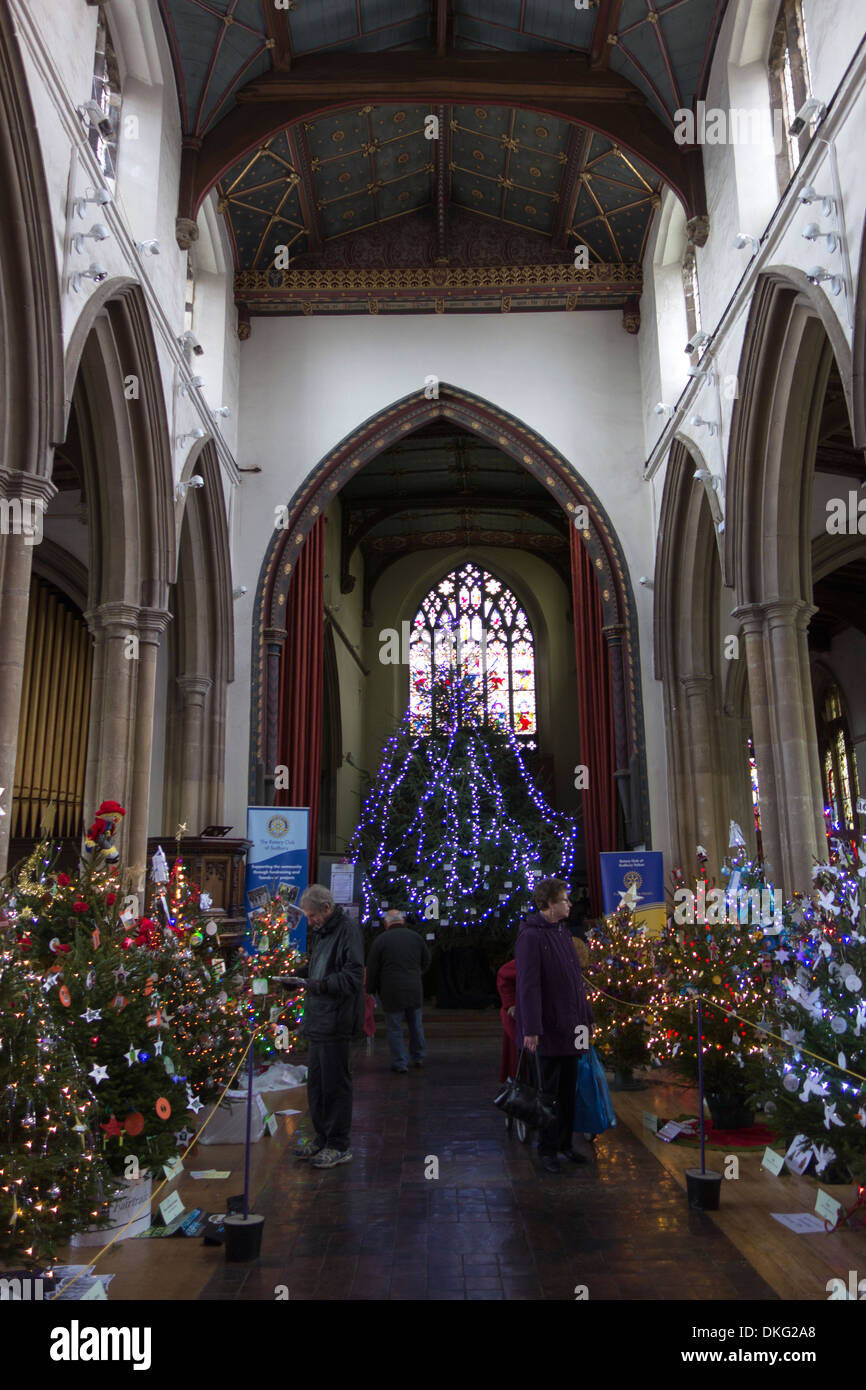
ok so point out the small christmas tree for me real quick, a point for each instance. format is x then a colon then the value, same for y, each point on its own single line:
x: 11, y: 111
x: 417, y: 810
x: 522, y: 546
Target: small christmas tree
x: 810, y: 1085
x: 623, y: 981
x: 453, y: 828
x: 711, y: 948
x: 265, y: 1000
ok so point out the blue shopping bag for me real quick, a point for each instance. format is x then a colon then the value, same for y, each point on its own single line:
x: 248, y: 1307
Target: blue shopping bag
x: 593, y: 1111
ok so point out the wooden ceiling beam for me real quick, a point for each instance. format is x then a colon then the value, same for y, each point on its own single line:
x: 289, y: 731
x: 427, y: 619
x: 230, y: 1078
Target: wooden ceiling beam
x: 606, y: 25
x: 561, y: 86
x: 277, y: 27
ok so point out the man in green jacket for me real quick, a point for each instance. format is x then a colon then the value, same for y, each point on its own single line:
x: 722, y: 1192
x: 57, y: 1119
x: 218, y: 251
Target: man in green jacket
x: 398, y: 959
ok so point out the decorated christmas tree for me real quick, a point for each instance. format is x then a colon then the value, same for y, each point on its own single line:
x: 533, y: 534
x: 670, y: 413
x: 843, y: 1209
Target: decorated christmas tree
x: 206, y: 1008
x: 722, y: 944
x: 622, y: 977
x: 50, y: 1184
x: 812, y: 1086
x: 454, y: 828
x: 266, y: 1000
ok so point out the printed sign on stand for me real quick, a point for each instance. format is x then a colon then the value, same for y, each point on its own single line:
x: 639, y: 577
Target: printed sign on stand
x: 278, y: 854
x: 639, y: 874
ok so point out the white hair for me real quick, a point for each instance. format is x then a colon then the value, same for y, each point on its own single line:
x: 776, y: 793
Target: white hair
x: 317, y: 897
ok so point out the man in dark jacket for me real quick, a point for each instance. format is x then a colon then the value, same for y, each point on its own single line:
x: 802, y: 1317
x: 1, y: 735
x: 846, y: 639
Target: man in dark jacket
x: 398, y: 959
x: 333, y: 1014
x: 552, y: 1010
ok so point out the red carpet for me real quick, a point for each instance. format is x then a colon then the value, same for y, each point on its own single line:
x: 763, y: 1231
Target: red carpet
x: 756, y: 1137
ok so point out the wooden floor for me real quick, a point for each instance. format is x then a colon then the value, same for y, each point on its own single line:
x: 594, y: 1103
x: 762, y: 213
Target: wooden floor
x: 793, y: 1267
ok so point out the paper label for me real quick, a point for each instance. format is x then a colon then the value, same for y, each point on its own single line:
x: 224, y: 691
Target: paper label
x: 271, y: 1124
x: 773, y: 1161
x: 805, y: 1223
x: 173, y: 1170
x: 651, y: 1122
x: 96, y: 1293
x: 669, y: 1131
x: 827, y: 1206
x: 211, y: 1173
x: 171, y: 1208
x: 261, y: 1107
x: 260, y: 986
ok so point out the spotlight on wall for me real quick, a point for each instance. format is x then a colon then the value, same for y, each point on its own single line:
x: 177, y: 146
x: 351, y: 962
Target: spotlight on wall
x: 812, y: 232
x: 645, y: 582
x: 152, y: 246
x: 239, y: 591
x: 98, y: 232
x: 700, y: 373
x: 222, y: 410
x: 819, y: 275
x: 93, y: 113
x: 185, y: 387
x: 720, y: 526
x: 662, y: 409
x: 99, y: 196
x: 811, y: 110
x: 95, y: 272
x: 699, y: 423
x: 703, y: 475
x: 183, y: 488
x: 697, y: 340
x: 193, y: 434
x: 807, y: 195
x: 744, y: 239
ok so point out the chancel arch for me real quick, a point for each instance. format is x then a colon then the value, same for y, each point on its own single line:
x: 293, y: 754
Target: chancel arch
x: 304, y: 515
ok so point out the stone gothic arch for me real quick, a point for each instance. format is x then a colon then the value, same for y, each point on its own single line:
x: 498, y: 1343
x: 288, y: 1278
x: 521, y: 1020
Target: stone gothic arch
x: 792, y: 338
x: 552, y: 470
x: 31, y: 374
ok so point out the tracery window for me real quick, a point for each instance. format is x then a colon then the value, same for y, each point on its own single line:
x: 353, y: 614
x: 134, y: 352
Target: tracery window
x: 107, y: 95
x: 790, y: 86
x: 837, y: 761
x: 756, y: 796
x: 472, y: 628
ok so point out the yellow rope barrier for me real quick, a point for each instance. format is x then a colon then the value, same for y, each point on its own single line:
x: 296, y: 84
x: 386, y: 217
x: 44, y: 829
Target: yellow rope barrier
x: 190, y: 1146
x: 729, y: 1013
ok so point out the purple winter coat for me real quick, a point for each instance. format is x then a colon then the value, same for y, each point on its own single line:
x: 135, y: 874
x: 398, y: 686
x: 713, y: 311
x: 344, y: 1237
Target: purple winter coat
x: 551, y: 999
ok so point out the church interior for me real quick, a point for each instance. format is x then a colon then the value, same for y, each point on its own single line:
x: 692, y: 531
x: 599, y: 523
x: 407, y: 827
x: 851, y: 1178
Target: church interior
x: 433, y: 433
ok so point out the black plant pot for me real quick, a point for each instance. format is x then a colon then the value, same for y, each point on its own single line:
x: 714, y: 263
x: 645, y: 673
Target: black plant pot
x: 243, y: 1235
x: 703, y: 1189
x: 624, y: 1081
x: 729, y: 1112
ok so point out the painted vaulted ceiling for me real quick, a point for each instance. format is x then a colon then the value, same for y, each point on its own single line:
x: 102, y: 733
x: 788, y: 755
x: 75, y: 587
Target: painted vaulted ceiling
x: 374, y: 213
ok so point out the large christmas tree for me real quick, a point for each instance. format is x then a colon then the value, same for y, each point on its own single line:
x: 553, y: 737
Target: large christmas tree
x: 622, y: 977
x: 454, y: 828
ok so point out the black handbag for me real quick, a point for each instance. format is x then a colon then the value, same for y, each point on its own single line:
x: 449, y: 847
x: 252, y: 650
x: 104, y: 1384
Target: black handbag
x: 523, y: 1101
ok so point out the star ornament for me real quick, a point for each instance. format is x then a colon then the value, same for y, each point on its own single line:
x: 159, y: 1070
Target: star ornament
x: 112, y: 1128
x: 98, y: 1073
x: 193, y: 1103
x: 91, y: 1015
x: 131, y: 1056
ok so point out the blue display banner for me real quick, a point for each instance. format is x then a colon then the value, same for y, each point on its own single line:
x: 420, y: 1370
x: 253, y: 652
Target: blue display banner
x: 643, y: 871
x: 278, y: 855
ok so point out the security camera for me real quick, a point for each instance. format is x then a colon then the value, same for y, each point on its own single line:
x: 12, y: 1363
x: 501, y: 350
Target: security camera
x: 189, y: 340
x: 811, y: 110
x: 697, y: 340
x: 93, y: 113
x: 196, y: 480
x: 645, y: 582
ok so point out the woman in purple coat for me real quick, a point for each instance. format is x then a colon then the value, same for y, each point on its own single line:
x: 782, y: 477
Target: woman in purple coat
x: 551, y: 1004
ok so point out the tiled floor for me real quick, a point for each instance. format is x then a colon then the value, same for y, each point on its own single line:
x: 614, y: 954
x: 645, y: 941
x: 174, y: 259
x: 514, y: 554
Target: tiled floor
x: 492, y: 1225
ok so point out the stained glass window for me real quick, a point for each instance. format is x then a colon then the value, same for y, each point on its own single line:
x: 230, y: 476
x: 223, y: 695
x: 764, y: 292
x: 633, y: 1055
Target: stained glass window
x: 471, y: 625
x: 756, y: 795
x: 837, y: 761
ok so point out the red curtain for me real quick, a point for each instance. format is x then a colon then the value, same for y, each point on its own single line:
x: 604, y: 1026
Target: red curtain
x: 595, y: 712
x: 300, y: 719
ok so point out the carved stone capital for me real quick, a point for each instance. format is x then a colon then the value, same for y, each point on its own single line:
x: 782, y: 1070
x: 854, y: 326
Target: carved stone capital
x: 113, y: 619
x: 15, y: 482
x: 275, y: 636
x: 697, y: 230
x: 194, y: 688
x: 186, y: 232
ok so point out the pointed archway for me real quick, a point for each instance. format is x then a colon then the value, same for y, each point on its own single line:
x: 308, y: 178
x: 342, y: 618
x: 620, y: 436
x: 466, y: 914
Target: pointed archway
x: 556, y: 475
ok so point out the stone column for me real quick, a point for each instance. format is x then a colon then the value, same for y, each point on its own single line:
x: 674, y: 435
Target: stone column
x: 751, y: 619
x: 803, y: 620
x: 152, y: 622
x: 193, y: 690
x: 705, y: 789
x: 786, y: 621
x: 110, y: 742
x: 18, y: 490
x: 275, y: 638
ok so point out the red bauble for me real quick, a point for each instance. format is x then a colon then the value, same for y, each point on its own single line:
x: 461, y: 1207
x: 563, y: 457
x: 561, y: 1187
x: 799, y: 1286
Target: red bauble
x: 134, y: 1123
